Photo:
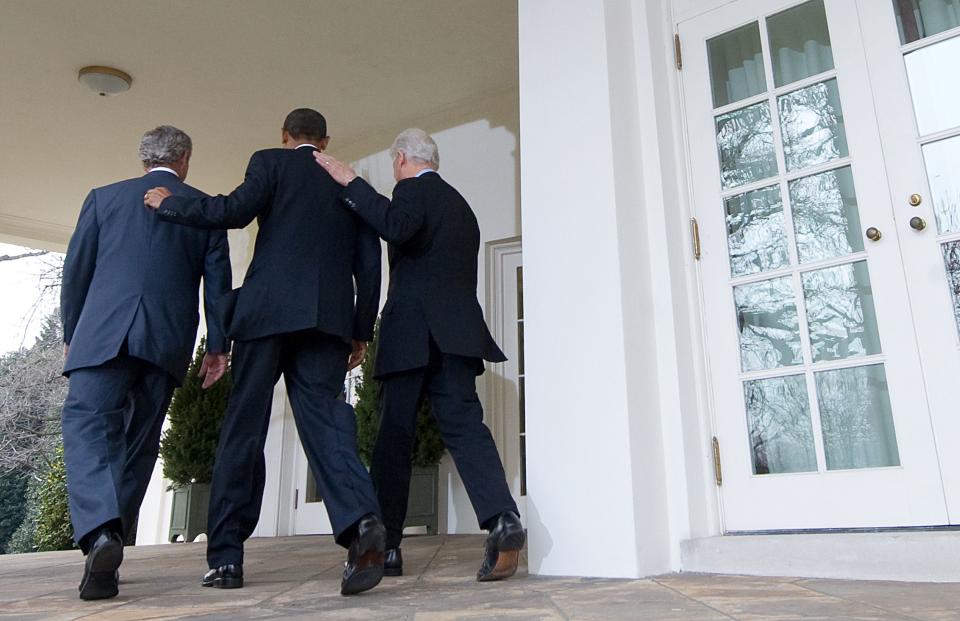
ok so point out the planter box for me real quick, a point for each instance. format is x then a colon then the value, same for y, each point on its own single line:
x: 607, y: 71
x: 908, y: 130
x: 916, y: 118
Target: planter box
x: 189, y: 515
x: 424, y: 495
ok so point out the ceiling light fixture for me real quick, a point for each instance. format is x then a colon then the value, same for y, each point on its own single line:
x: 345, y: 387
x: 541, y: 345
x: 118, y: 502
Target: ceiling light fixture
x: 105, y: 80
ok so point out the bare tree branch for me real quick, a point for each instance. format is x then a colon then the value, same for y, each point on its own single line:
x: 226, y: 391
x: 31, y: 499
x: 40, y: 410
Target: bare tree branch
x: 25, y: 255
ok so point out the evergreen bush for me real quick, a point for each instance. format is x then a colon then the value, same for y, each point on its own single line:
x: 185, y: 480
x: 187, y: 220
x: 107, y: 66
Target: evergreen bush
x: 13, y: 505
x: 428, y: 445
x: 53, y: 528
x: 189, y: 444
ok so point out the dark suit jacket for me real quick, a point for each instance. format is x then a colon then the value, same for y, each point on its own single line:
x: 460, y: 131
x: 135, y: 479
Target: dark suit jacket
x: 308, y: 252
x: 130, y: 277
x: 434, y: 240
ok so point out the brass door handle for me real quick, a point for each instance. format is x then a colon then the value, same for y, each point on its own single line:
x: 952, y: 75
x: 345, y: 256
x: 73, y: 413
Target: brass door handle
x: 873, y: 234
x: 915, y: 200
x: 917, y: 223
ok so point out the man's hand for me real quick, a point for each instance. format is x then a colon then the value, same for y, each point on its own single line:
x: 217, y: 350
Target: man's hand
x: 155, y: 196
x: 356, y: 356
x: 340, y: 172
x: 66, y: 350
x: 212, y: 368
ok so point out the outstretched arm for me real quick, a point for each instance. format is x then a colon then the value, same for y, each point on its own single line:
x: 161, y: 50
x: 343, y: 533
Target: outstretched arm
x: 234, y: 211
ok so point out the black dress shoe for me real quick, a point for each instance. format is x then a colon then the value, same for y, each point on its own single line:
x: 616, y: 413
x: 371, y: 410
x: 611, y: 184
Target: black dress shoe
x: 224, y: 577
x: 503, y: 547
x: 393, y: 562
x: 100, y: 575
x: 364, y: 566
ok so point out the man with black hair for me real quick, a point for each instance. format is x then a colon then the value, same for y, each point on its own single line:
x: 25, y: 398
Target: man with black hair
x: 295, y: 315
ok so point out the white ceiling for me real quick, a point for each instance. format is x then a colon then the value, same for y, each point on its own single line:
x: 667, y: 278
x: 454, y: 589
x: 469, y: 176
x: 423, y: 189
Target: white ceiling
x: 226, y: 72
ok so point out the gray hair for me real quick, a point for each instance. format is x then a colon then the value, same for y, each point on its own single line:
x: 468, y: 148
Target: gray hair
x: 163, y: 146
x: 418, y: 145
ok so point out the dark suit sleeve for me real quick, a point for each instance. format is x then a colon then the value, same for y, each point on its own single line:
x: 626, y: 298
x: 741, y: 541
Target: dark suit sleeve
x: 234, y: 211
x: 79, y: 266
x: 366, y: 274
x: 395, y: 221
x: 217, y: 281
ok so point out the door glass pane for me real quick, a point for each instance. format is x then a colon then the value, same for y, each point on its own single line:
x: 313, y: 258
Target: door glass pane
x: 778, y: 415
x: 745, y: 140
x: 755, y: 234
x: 856, y: 418
x: 934, y: 74
x: 736, y: 65
x: 799, y: 43
x: 951, y: 261
x: 812, y: 122
x: 917, y: 19
x: 840, y: 312
x: 825, y: 215
x: 942, y: 159
x: 767, y: 320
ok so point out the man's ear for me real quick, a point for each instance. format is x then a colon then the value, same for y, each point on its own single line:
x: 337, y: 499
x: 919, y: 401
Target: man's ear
x: 324, y: 144
x: 284, y: 137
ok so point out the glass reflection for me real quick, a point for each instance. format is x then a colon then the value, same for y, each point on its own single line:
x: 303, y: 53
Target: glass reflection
x: 856, y: 418
x: 812, y: 122
x: 934, y: 74
x: 951, y: 261
x: 825, y: 215
x: 917, y: 19
x: 942, y: 159
x: 755, y: 234
x: 840, y: 312
x: 799, y: 43
x: 767, y: 320
x: 745, y: 141
x: 778, y: 417
x: 736, y: 65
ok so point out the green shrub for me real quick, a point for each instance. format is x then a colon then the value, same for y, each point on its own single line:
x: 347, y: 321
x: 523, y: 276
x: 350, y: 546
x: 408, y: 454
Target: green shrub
x: 189, y: 444
x: 53, y: 528
x: 428, y: 445
x: 13, y: 505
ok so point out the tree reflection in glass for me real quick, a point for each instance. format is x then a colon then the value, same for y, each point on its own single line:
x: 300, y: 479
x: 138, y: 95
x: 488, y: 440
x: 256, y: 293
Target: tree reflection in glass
x: 778, y: 415
x: 825, y: 215
x: 856, y: 418
x: 812, y: 123
x: 840, y: 312
x: 768, y: 324
x: 951, y: 261
x: 755, y: 235
x: 942, y: 160
x: 745, y: 141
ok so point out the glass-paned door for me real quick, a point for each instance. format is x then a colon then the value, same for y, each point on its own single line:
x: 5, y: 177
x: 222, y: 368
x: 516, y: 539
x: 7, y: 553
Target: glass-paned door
x: 914, y: 66
x: 818, y: 394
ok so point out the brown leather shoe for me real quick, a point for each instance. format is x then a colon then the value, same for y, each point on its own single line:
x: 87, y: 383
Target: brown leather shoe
x: 364, y: 566
x: 502, y: 554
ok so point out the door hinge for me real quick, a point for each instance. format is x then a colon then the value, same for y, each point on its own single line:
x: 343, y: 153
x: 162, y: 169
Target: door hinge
x: 695, y: 235
x: 296, y: 499
x: 677, y: 54
x: 717, y: 469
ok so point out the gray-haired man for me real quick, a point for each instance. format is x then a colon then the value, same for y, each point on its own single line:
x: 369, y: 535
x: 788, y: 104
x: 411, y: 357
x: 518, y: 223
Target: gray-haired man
x: 129, y: 307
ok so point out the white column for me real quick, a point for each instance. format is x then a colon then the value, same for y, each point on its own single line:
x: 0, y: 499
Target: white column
x: 597, y: 501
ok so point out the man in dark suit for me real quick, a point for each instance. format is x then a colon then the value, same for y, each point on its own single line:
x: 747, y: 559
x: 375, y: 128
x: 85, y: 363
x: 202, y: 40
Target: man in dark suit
x: 129, y: 305
x: 433, y: 341
x: 295, y: 315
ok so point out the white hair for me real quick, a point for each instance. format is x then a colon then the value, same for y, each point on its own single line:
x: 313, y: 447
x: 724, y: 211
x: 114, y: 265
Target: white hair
x: 416, y: 144
x: 163, y: 146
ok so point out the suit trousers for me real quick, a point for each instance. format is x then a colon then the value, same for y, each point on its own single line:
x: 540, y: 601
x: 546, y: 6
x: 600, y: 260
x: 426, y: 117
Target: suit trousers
x: 450, y: 383
x: 111, y: 434
x: 314, y: 365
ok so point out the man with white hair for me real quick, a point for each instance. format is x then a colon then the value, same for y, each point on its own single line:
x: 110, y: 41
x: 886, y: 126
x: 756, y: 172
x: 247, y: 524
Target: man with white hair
x: 129, y: 303
x: 433, y: 341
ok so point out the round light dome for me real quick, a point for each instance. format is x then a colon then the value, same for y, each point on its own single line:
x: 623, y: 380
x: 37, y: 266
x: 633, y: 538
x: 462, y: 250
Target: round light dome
x: 105, y: 80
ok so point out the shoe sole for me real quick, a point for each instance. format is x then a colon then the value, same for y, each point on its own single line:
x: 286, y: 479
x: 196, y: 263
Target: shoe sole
x: 369, y: 571
x: 392, y: 572
x: 225, y: 583
x: 100, y: 581
x: 508, y: 558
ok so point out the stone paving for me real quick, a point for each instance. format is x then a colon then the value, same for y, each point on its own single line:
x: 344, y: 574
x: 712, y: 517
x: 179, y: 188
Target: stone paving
x: 298, y: 578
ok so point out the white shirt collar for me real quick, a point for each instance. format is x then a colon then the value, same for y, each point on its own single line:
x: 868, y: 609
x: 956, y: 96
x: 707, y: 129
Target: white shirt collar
x: 312, y: 146
x: 164, y: 169
x: 425, y: 171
